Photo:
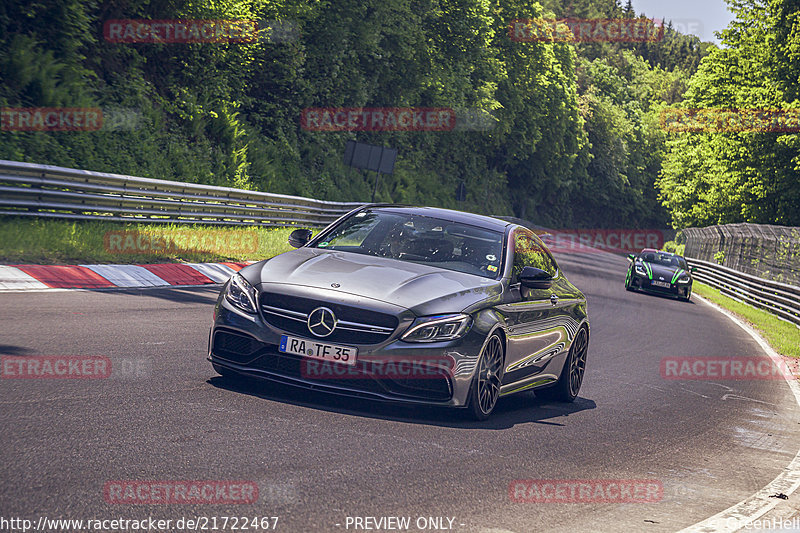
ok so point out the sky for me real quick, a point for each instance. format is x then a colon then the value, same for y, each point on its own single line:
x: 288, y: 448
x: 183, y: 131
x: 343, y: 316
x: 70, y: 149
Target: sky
x: 700, y: 17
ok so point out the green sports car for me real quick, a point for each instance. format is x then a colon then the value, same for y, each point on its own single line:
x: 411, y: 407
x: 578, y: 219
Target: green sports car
x: 660, y: 273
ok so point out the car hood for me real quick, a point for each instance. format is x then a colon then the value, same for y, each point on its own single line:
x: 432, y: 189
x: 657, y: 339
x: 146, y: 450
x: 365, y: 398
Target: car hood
x: 421, y: 288
x: 662, y: 271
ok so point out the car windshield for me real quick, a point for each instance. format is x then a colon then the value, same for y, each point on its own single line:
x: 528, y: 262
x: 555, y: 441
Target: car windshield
x: 668, y: 260
x: 419, y: 239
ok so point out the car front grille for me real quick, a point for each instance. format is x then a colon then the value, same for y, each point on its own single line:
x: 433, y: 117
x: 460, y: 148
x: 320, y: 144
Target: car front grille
x: 235, y: 347
x: 434, y: 388
x: 355, y: 325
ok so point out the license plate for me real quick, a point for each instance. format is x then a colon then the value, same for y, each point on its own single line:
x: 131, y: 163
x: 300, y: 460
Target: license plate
x: 318, y: 350
x: 664, y: 284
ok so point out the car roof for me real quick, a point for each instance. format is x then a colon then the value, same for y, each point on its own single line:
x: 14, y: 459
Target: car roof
x: 462, y: 217
x: 662, y: 252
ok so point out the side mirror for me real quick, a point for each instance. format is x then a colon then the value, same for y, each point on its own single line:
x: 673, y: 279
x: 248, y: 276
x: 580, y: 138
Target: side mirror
x: 631, y: 257
x: 535, y: 278
x: 299, y: 237
x: 692, y: 269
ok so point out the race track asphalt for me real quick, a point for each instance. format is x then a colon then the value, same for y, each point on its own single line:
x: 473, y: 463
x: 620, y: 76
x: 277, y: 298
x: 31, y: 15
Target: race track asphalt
x: 164, y: 414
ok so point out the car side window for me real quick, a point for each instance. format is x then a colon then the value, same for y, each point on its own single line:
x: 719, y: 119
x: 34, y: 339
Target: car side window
x: 530, y: 251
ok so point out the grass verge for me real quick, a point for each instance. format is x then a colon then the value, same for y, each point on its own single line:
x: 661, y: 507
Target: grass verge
x: 44, y: 241
x: 784, y: 337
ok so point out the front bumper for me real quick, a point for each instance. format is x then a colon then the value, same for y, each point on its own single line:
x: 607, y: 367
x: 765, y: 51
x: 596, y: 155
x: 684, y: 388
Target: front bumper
x: 423, y: 373
x: 643, y: 283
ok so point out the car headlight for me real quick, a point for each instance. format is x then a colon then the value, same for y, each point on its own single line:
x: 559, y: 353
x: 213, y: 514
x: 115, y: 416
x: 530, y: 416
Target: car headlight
x: 684, y: 280
x: 640, y: 269
x: 438, y: 328
x: 241, y: 294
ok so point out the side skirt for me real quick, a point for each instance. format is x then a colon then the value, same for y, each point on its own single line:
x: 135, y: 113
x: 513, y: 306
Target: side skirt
x: 530, y: 383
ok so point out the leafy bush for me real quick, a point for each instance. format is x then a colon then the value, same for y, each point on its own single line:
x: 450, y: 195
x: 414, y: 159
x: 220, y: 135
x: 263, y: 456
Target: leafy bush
x: 674, y: 247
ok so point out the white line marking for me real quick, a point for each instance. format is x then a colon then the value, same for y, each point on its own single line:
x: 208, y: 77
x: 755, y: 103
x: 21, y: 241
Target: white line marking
x: 736, y: 517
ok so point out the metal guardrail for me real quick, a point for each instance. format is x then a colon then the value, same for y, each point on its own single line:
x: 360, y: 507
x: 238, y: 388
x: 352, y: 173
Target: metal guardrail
x: 778, y: 298
x: 28, y: 189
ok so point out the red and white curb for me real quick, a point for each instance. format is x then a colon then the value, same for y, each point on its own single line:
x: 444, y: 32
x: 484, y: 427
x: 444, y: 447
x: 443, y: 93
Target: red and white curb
x: 43, y: 277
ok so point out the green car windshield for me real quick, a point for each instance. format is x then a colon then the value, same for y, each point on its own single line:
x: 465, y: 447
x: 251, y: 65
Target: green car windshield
x: 667, y: 260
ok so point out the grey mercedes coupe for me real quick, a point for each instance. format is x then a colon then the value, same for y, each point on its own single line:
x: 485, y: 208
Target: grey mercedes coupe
x: 410, y: 304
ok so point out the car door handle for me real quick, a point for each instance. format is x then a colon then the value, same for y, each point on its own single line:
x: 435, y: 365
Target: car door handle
x: 553, y: 299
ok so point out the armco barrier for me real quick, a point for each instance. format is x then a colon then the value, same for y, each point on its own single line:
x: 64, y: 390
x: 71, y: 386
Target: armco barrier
x: 28, y: 189
x: 778, y: 298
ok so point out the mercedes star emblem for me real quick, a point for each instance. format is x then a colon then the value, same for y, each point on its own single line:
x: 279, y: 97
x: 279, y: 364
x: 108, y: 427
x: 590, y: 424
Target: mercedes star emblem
x: 321, y: 322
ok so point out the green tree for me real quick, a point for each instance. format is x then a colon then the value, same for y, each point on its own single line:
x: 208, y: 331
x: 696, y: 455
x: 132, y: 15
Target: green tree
x: 741, y: 176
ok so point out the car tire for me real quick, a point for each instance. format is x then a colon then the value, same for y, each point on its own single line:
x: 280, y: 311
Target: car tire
x: 486, y: 385
x: 569, y: 382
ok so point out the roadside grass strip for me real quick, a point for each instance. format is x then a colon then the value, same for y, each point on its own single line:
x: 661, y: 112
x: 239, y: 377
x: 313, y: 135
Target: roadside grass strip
x: 783, y: 336
x: 53, y: 242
